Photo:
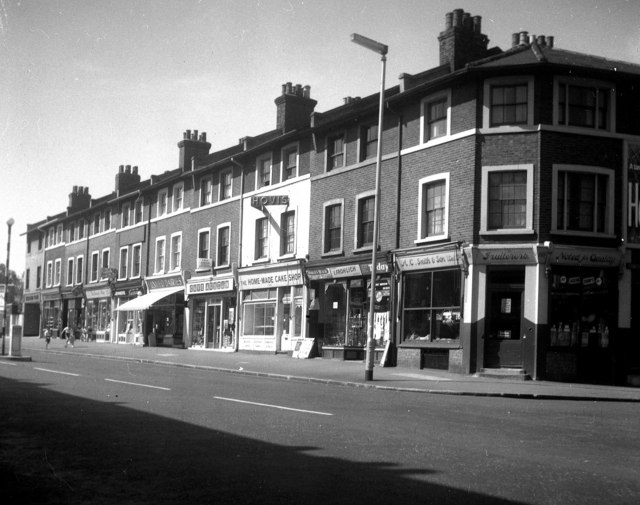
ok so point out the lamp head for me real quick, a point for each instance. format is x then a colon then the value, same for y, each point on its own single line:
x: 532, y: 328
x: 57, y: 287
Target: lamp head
x: 370, y: 44
x: 10, y: 222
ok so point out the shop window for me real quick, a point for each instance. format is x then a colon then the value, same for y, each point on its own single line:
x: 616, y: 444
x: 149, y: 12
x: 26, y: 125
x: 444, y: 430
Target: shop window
x: 79, y: 269
x: 160, y: 253
x: 206, y: 191
x: 176, y: 251
x: 57, y: 272
x: 433, y: 208
x: 507, y: 199
x: 224, y: 253
x: 138, y: 212
x: 95, y: 266
x: 508, y: 101
x: 583, y: 200
x: 178, y: 197
x: 365, y: 221
x: 368, y: 142
x: 332, y: 227
x: 287, y: 233
x: 124, y: 263
x: 38, y: 277
x: 335, y: 152
x: 435, y: 116
x: 585, y: 104
x: 431, y: 306
x: 126, y: 212
x: 225, y: 185
x: 197, y: 338
x: 70, y: 271
x: 335, y: 313
x: 136, y: 257
x: 163, y: 202
x: 289, y: 163
x: 260, y: 312
x: 262, y: 238
x: 263, y: 167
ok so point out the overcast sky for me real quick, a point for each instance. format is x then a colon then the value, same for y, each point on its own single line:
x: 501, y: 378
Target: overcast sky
x: 88, y: 85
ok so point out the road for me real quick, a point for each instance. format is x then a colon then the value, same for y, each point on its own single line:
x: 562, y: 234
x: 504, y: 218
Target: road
x: 82, y: 430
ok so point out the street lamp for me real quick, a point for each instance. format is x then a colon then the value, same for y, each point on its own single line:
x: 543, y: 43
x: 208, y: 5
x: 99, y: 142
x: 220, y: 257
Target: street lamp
x: 10, y: 222
x: 381, y: 49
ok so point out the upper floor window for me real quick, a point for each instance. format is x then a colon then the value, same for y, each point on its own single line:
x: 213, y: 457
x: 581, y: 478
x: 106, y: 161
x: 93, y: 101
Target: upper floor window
x: 365, y: 221
x: 81, y: 226
x: 369, y: 142
x: 508, y: 101
x: 176, y: 251
x: 123, y: 265
x: 206, y: 191
x: 435, y: 116
x: 287, y: 233
x: 107, y: 219
x: 95, y: 265
x: 126, y: 212
x: 203, y: 244
x: 72, y: 234
x: 289, y: 163
x: 225, y: 184
x: 59, y: 234
x: 138, y: 211
x: 27, y: 276
x: 583, y: 199
x: 433, y: 207
x: 178, y: 197
x: 96, y: 224
x: 507, y: 199
x: 38, y: 277
x: 224, y: 256
x: 263, y: 167
x: 332, y: 227
x: 105, y: 263
x: 584, y: 105
x: 262, y: 238
x: 51, y: 237
x: 79, y: 269
x: 160, y: 253
x: 335, y: 152
x: 136, y: 259
x: 57, y: 272
x: 70, y: 272
x: 49, y: 280
x: 163, y: 202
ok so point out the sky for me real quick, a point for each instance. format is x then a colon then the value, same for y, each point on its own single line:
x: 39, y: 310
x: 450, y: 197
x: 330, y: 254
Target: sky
x: 88, y: 85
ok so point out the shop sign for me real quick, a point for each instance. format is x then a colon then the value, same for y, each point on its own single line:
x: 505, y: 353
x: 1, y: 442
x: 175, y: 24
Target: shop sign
x: 507, y: 256
x: 432, y: 260
x: 315, y: 274
x: 382, y: 267
x: 259, y: 202
x: 209, y: 286
x: 633, y: 196
x: 578, y: 257
x: 164, y: 282
x: 32, y: 298
x: 99, y: 293
x: 345, y: 271
x: 275, y: 279
x: 51, y: 296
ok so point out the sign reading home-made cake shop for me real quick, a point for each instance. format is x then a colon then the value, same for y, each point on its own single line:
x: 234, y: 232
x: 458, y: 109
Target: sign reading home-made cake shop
x: 271, y: 279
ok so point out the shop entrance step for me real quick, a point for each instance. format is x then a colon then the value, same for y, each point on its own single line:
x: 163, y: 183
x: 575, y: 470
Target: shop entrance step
x: 503, y: 373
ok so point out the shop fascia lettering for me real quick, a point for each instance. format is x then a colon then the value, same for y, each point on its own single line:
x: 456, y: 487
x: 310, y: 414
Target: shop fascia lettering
x: 210, y: 286
x: 428, y: 260
x: 588, y: 259
x: 273, y: 280
x: 164, y: 282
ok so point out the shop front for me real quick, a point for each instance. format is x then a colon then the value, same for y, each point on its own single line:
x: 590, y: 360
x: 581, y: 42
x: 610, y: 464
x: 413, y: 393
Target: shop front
x: 430, y: 286
x: 32, y: 313
x: 72, y: 310
x: 129, y: 323
x: 273, y: 302
x: 52, y: 311
x: 212, y: 310
x: 159, y: 313
x: 98, y: 313
x: 339, y: 310
x: 583, y: 313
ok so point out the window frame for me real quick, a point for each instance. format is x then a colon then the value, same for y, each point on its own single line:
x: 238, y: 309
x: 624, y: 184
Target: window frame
x: 49, y: 274
x: 79, y: 276
x: 59, y: 234
x: 422, y: 237
x: 284, y: 167
x: 223, y: 186
x: 138, y: 211
x: 174, y: 265
x: 72, y: 234
x: 106, y: 253
x: 162, y: 210
x: 326, y: 206
x: 261, y: 240
x: 331, y: 156
x: 220, y: 228
x: 201, y: 232
x: 107, y: 219
x: 206, y: 191
x: 508, y: 81
x: 358, y: 245
x: 57, y: 272
x: 125, y: 217
x: 425, y: 135
x: 96, y: 223
x: 134, y: 248
x: 260, y: 161
x: 609, y: 218
x: 70, y: 272
x: 365, y: 142
x: 38, y: 276
x: 163, y: 242
x: 95, y: 260
x: 124, y: 250
x: 285, y: 236
x: 584, y: 83
x: 177, y: 200
x: 484, y: 207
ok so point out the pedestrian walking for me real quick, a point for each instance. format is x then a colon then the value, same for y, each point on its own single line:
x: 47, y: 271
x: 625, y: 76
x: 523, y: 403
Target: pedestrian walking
x: 68, y: 335
x: 47, y: 337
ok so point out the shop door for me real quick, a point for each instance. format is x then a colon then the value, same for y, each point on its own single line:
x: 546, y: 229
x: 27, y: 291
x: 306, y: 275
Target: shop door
x: 503, y: 345
x: 214, y: 336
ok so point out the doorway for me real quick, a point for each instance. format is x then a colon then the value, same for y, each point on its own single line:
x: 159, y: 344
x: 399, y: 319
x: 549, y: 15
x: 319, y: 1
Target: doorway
x: 213, y: 334
x: 503, y: 345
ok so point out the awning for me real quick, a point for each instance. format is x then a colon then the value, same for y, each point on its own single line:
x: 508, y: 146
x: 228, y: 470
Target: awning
x: 145, y: 301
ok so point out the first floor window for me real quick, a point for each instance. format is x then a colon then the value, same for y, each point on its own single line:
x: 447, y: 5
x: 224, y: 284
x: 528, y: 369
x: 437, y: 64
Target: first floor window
x: 289, y: 163
x: 507, y: 200
x: 206, y: 191
x: 369, y: 142
x: 49, y: 274
x: 582, y: 202
x: 436, y: 119
x: 136, y: 256
x: 333, y: 228
x: 105, y: 263
x: 95, y: 257
x: 287, y: 233
x: 159, y: 256
x: 264, y: 172
x: 107, y: 219
x: 262, y: 235
x: 124, y: 263
x: 509, y: 104
x: 434, y: 208
x: 584, y: 106
x: 137, y: 213
x: 431, y: 305
x: 79, y: 269
x: 57, y: 272
x: 366, y: 209
x: 26, y: 279
x: 225, y: 185
x: 203, y: 244
x: 70, y: 272
x: 163, y: 204
x: 176, y: 252
x: 38, y: 277
x: 335, y: 152
x: 223, y: 246
x: 126, y: 211
x: 178, y: 197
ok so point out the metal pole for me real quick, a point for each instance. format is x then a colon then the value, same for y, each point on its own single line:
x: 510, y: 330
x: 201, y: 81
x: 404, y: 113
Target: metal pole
x: 368, y: 372
x: 10, y: 222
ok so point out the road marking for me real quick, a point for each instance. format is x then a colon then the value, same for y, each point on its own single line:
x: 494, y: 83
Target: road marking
x: 136, y: 384
x: 7, y: 363
x: 57, y: 371
x: 272, y: 406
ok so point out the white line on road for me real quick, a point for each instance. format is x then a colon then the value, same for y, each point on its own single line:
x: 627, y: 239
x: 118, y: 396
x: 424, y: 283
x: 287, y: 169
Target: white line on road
x: 2, y: 362
x: 272, y: 406
x: 136, y: 384
x: 56, y: 371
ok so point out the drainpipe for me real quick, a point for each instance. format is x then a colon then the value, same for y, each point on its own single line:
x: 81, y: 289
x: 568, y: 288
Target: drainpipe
x: 236, y: 343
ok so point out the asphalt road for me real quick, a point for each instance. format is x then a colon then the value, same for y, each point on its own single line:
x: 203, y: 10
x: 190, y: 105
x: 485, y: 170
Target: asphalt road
x: 100, y: 431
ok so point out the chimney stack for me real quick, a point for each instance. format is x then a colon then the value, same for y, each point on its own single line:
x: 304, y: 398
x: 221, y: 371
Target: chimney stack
x: 294, y: 107
x: 127, y: 179
x: 79, y: 199
x: 192, y: 146
x: 462, y: 40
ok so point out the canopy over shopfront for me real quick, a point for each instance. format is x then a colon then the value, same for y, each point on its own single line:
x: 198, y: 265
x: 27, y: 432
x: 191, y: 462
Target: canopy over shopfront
x: 145, y: 301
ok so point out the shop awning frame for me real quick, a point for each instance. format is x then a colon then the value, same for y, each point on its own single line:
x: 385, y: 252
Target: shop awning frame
x: 145, y: 301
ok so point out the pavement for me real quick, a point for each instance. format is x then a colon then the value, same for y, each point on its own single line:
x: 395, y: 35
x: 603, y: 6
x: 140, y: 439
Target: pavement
x: 334, y: 372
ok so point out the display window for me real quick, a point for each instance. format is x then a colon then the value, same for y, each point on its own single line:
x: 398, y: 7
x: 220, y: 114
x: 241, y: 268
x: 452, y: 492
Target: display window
x: 213, y: 325
x: 260, y: 312
x: 431, y: 305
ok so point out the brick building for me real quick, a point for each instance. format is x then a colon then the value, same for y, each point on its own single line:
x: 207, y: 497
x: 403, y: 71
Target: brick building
x: 509, y: 224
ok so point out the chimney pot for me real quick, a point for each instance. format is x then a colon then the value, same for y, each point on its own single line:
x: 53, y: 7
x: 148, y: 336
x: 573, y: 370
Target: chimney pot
x: 515, y: 39
x: 75, y: 190
x: 523, y: 38
x: 299, y: 89
x: 203, y: 137
x: 306, y: 91
x: 187, y: 134
x: 127, y: 169
x: 457, y: 17
x: 288, y: 88
x: 448, y: 20
x: 477, y: 24
x: 550, y: 41
x: 541, y: 41
x: 134, y: 170
x: 194, y: 135
x: 86, y: 190
x: 121, y: 169
x: 466, y: 21
x: 284, y: 89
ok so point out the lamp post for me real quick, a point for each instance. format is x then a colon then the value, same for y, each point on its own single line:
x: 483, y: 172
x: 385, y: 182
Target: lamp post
x: 10, y: 222
x: 382, y: 50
